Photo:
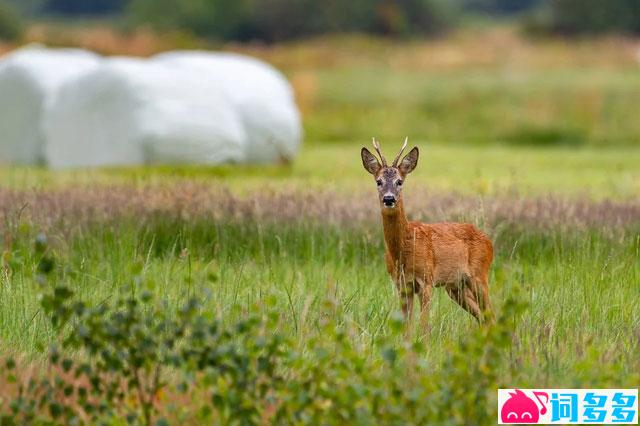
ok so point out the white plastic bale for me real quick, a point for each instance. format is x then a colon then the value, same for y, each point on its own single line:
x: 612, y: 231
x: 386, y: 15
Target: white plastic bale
x: 131, y: 111
x: 262, y: 96
x: 29, y: 79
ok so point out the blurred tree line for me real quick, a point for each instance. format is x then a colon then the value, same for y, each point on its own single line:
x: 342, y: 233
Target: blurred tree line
x: 275, y: 20
x: 570, y: 17
x: 11, y: 26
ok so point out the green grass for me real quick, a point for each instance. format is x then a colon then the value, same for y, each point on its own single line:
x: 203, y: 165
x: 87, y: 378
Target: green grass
x: 514, y: 107
x: 596, y: 173
x: 482, y: 87
x: 581, y: 286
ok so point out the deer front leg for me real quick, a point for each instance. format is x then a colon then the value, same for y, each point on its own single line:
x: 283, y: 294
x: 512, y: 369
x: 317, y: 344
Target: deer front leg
x: 406, y: 302
x: 405, y: 289
x: 426, y: 291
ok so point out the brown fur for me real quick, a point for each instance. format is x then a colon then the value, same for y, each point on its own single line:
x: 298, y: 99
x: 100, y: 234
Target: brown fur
x: 420, y: 256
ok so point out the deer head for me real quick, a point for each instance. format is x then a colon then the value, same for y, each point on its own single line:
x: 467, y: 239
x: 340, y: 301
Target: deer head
x: 389, y: 179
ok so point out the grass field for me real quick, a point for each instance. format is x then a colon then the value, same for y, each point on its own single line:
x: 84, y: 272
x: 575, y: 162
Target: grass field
x: 544, y: 156
x: 588, y: 172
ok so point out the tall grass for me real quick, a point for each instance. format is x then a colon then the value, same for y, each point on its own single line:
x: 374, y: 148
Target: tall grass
x: 581, y: 282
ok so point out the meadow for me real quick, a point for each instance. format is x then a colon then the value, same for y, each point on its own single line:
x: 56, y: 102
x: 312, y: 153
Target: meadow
x: 536, y: 142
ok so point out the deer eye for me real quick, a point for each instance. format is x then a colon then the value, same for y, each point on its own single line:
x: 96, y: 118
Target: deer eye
x: 399, y: 183
x: 379, y: 182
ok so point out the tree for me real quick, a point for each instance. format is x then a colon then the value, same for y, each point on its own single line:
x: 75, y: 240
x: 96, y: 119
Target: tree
x: 83, y: 7
x: 594, y: 16
x: 11, y: 27
x: 274, y: 20
x: 28, y: 7
x: 501, y: 7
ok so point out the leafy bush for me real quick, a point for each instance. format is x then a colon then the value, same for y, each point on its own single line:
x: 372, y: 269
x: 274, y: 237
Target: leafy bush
x: 11, y: 27
x: 132, y: 350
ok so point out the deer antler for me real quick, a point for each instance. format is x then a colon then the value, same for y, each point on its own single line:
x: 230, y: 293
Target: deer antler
x: 376, y: 145
x: 395, y: 162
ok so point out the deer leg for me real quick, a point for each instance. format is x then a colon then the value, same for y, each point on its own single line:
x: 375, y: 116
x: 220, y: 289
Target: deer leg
x: 463, y: 296
x: 481, y: 292
x: 472, y: 303
x: 406, y: 302
x: 425, y: 303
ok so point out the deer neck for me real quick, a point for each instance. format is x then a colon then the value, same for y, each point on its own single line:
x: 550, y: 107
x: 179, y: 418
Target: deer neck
x: 395, y: 226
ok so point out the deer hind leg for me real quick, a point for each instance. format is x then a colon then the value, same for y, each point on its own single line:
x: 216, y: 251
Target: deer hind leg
x: 480, y: 289
x: 464, y: 296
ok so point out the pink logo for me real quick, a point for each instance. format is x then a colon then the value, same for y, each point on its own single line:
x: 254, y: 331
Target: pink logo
x: 519, y: 408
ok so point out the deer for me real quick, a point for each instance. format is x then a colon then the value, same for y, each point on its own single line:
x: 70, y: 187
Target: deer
x: 422, y: 256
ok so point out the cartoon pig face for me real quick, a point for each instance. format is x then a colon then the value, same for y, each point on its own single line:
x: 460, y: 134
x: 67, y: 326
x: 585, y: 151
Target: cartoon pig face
x: 519, y: 408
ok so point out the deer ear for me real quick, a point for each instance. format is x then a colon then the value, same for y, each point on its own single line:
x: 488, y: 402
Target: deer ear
x: 409, y: 162
x: 369, y: 161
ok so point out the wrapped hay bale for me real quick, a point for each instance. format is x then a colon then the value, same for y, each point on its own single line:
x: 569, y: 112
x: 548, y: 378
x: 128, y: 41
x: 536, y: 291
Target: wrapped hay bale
x: 29, y: 80
x: 260, y: 94
x: 132, y: 111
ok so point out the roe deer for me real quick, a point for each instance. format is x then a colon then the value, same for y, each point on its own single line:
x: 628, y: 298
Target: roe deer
x: 421, y: 256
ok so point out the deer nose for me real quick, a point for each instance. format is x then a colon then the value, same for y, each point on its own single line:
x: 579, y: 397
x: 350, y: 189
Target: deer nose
x: 389, y: 200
